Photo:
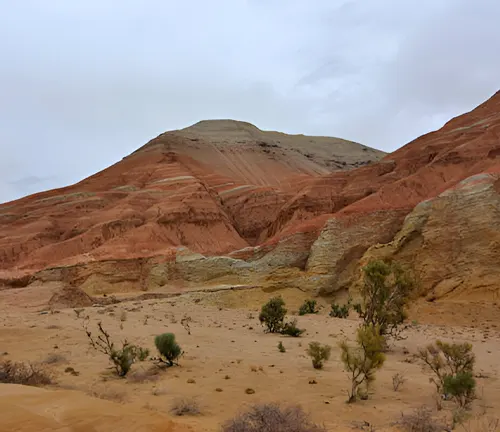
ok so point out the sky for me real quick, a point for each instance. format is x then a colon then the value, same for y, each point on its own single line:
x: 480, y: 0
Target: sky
x: 85, y: 83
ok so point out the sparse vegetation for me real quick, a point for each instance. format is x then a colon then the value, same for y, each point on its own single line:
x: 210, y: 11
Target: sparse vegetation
x: 319, y: 354
x: 291, y: 329
x: 54, y: 358
x: 185, y: 407
x: 363, y: 360
x: 273, y: 418
x: 385, y: 293
x: 340, y: 311
x: 30, y: 374
x: 272, y: 315
x: 168, y: 348
x: 398, y: 380
x: 308, y: 307
x: 122, y: 358
x: 420, y: 420
x: 281, y: 347
x: 452, y: 365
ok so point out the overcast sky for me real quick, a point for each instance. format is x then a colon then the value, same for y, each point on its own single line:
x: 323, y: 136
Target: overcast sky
x: 84, y: 83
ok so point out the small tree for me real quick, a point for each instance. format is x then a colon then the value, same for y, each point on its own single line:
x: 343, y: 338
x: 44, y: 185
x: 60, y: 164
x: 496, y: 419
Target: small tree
x: 272, y: 315
x: 122, y: 358
x: 363, y: 360
x: 308, y: 307
x: 168, y: 348
x: 319, y: 354
x: 385, y: 294
x: 452, y: 365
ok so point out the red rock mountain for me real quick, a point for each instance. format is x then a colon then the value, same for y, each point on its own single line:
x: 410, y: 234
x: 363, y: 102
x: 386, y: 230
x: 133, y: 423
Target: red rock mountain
x: 269, y: 209
x: 214, y: 187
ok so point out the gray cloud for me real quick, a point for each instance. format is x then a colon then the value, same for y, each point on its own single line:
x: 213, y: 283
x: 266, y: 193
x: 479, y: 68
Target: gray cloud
x: 83, y: 84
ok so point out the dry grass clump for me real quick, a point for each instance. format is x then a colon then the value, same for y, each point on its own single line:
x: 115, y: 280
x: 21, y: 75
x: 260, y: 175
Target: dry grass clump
x: 54, y: 358
x: 30, y: 374
x: 420, y: 420
x: 144, y: 375
x: 108, y: 393
x: 185, y: 407
x: 272, y: 417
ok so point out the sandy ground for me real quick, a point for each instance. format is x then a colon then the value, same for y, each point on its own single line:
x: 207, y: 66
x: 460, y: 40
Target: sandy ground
x: 227, y: 352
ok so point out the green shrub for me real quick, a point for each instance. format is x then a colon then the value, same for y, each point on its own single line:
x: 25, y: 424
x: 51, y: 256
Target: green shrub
x: 291, y: 329
x: 168, y: 348
x: 340, y: 311
x: 308, y: 307
x: 461, y: 387
x: 453, y: 366
x: 319, y: 354
x: 281, y: 347
x: 385, y: 294
x: 122, y: 358
x: 272, y: 315
x: 363, y: 360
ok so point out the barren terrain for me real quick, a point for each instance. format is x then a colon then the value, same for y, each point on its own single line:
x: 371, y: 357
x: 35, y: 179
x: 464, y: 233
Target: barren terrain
x: 226, y: 353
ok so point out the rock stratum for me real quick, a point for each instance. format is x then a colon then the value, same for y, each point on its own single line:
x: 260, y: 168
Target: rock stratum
x: 223, y: 203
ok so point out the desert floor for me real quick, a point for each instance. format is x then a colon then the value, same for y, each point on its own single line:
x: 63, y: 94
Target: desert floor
x: 228, y: 352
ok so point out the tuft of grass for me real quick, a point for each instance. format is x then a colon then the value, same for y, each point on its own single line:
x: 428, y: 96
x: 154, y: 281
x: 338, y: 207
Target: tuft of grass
x: 54, y: 358
x: 185, y: 407
x: 420, y: 420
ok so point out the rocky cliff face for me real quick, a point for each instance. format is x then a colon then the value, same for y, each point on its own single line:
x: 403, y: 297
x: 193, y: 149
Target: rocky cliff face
x: 225, y: 203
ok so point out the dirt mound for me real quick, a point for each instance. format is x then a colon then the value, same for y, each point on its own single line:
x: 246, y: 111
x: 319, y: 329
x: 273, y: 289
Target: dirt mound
x: 70, y: 297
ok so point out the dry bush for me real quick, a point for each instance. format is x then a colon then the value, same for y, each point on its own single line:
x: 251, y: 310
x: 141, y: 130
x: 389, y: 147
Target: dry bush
x: 185, y: 407
x: 144, y: 375
x: 420, y: 420
x: 108, y: 393
x: 482, y: 424
x: 272, y: 417
x: 397, y: 381
x: 30, y: 374
x: 54, y: 358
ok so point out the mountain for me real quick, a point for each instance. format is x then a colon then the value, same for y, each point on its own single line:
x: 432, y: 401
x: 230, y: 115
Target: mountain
x: 224, y: 203
x: 214, y: 187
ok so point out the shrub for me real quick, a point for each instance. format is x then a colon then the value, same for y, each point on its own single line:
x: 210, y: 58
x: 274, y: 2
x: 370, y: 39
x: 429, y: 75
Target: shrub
x: 122, y: 358
x: 281, y: 347
x: 272, y: 315
x: 168, y: 348
x: 29, y: 374
x: 452, y: 365
x: 397, y: 381
x: 54, y: 358
x: 272, y: 417
x: 461, y: 387
x: 385, y: 294
x: 185, y: 407
x: 308, y: 307
x: 340, y: 311
x: 291, y: 329
x: 420, y: 421
x: 363, y: 360
x: 319, y: 354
